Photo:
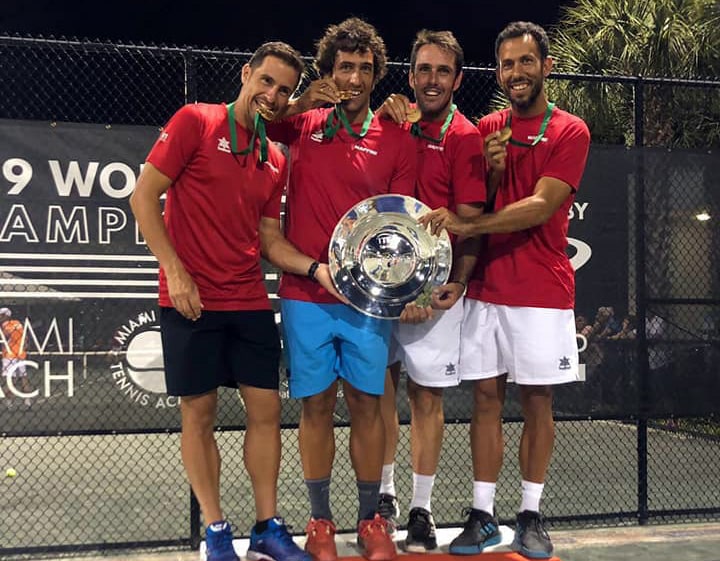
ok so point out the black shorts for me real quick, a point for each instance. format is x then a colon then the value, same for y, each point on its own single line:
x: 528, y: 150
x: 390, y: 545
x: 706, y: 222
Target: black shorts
x: 219, y: 349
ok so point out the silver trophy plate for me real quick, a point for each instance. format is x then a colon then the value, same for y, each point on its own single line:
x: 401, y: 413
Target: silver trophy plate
x: 381, y: 258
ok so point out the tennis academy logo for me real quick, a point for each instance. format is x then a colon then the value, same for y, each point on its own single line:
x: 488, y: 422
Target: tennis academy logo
x: 138, y: 372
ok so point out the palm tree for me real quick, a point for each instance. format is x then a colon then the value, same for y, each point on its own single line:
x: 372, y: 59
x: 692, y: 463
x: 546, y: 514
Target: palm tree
x: 648, y: 38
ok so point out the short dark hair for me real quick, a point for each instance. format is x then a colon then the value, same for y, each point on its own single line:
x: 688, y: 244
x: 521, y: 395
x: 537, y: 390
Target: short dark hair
x: 280, y: 50
x: 351, y: 35
x: 443, y: 39
x: 520, y: 28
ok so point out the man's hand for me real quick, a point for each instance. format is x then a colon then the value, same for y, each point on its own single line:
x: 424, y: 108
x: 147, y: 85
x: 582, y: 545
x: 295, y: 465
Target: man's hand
x: 395, y: 107
x: 317, y: 94
x: 496, y: 151
x: 184, y: 293
x: 443, y: 218
x: 322, y: 275
x: 412, y: 313
x: 445, y: 296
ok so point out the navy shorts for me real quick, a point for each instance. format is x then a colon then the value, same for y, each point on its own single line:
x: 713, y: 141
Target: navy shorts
x: 219, y: 349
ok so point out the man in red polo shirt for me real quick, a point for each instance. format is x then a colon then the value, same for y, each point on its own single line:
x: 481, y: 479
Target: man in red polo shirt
x: 451, y: 173
x: 519, y: 323
x: 224, y: 181
x: 339, y: 156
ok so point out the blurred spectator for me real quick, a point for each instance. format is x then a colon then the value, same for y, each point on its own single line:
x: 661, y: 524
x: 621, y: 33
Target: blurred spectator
x: 655, y: 328
x: 628, y: 329
x: 14, y: 373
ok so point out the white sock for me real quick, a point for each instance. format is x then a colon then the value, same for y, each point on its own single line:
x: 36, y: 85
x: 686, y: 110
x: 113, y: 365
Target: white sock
x: 484, y: 496
x: 531, y: 494
x: 422, y: 491
x: 387, y: 483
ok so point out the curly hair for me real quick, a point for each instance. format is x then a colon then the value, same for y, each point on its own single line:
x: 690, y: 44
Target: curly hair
x: 350, y: 36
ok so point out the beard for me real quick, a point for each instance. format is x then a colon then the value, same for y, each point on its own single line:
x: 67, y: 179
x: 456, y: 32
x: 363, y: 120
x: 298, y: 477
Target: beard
x: 431, y: 111
x: 526, y: 103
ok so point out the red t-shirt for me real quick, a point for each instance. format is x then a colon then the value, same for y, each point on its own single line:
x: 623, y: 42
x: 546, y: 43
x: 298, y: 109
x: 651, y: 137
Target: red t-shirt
x: 330, y: 176
x: 452, y: 171
x: 530, y: 268
x: 214, y: 206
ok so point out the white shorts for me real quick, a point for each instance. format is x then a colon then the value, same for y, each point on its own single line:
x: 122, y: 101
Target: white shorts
x: 535, y: 346
x: 430, y: 350
x: 13, y: 368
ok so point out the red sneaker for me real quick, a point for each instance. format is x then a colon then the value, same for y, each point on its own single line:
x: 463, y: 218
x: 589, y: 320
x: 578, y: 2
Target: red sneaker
x: 320, y: 543
x: 375, y: 541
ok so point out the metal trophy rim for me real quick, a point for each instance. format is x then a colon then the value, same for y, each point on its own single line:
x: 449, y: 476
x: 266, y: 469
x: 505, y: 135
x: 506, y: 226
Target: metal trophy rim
x: 381, y: 258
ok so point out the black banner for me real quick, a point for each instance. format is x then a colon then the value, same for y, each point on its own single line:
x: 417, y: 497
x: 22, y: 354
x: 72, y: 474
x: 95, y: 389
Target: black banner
x: 75, y: 272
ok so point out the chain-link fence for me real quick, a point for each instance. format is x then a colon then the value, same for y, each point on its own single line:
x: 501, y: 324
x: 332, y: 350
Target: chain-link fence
x: 92, y: 438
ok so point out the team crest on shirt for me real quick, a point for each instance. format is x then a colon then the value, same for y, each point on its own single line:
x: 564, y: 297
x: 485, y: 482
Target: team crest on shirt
x: 564, y: 363
x: 223, y: 145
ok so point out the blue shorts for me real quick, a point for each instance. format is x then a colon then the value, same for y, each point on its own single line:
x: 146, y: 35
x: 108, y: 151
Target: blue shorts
x: 327, y: 341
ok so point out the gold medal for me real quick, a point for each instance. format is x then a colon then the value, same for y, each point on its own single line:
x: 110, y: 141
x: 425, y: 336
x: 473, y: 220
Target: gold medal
x: 266, y: 113
x: 413, y: 115
x: 505, y: 134
x: 344, y: 95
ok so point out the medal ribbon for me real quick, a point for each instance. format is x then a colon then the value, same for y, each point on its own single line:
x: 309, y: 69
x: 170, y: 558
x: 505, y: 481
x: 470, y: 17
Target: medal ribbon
x: 258, y: 132
x: 332, y: 125
x: 541, y: 132
x: 415, y: 129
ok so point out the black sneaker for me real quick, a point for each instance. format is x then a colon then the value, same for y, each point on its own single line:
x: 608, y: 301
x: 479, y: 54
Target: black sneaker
x: 389, y: 509
x: 420, y: 532
x: 480, y: 531
x: 531, y: 538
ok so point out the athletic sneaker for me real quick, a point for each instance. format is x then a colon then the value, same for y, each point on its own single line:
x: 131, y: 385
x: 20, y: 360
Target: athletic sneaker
x: 320, y: 542
x: 375, y: 541
x: 420, y: 531
x: 531, y: 538
x: 389, y: 509
x: 275, y: 544
x: 481, y: 530
x: 219, y: 542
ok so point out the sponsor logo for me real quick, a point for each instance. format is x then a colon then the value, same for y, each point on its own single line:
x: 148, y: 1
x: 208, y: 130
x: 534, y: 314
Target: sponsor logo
x: 365, y: 149
x: 450, y: 369
x: 583, y: 252
x: 317, y: 136
x: 139, y: 371
x: 436, y: 147
x: 564, y: 363
x: 223, y: 145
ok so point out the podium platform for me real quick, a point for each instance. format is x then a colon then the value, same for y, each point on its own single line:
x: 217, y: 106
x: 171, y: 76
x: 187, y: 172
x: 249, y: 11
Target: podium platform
x: 348, y: 550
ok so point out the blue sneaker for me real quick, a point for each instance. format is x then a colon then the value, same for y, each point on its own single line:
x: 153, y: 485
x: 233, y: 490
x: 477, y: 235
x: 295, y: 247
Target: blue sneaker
x: 219, y: 541
x: 275, y: 544
x: 481, y: 530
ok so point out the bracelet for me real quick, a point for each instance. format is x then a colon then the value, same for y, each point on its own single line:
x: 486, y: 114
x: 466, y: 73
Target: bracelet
x: 461, y: 283
x: 312, y: 270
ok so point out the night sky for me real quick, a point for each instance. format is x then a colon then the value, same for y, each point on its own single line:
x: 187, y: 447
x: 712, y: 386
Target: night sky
x: 244, y: 25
